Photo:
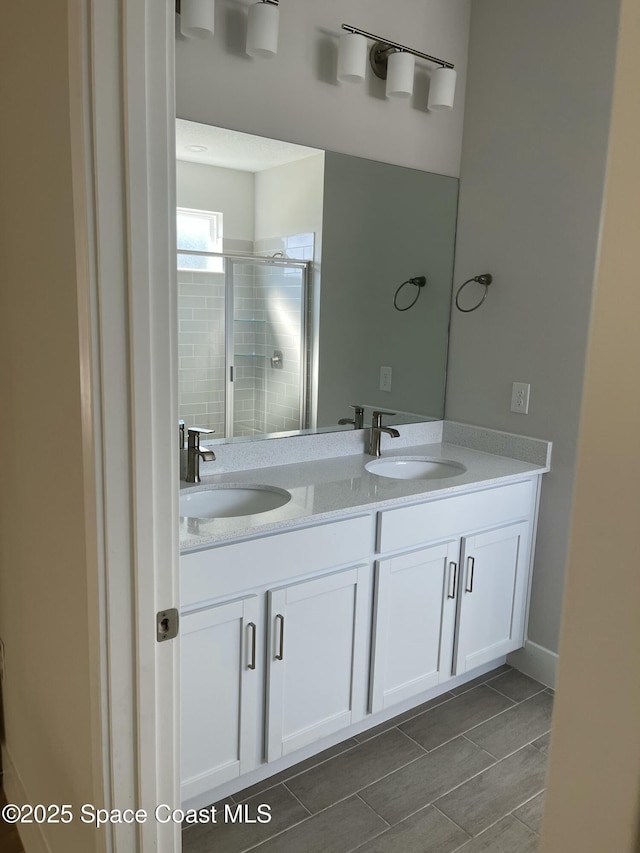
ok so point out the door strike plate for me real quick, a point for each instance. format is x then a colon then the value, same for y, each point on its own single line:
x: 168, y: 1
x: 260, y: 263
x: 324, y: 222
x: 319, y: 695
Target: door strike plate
x: 167, y: 624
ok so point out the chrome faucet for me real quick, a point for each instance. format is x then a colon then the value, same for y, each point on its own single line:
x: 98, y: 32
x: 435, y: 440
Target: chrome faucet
x: 357, y: 420
x: 195, y: 453
x: 376, y: 431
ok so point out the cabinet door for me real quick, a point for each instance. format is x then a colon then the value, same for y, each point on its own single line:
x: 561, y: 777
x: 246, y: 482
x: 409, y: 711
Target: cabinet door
x: 317, y: 658
x: 218, y: 694
x: 414, y: 623
x: 492, y: 595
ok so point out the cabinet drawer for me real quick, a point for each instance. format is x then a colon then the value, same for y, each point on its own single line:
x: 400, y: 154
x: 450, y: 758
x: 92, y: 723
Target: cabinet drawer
x: 227, y: 569
x: 409, y: 526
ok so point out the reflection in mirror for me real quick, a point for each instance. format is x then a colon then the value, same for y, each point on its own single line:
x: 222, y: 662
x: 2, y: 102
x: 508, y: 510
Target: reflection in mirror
x: 288, y: 264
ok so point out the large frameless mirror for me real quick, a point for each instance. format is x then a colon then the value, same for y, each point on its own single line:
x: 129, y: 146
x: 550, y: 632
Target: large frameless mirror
x: 289, y: 263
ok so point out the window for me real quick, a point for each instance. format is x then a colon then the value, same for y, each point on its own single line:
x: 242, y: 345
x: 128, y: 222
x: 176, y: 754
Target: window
x: 200, y: 230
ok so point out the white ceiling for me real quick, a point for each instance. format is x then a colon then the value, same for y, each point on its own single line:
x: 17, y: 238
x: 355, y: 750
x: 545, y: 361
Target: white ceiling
x: 233, y: 150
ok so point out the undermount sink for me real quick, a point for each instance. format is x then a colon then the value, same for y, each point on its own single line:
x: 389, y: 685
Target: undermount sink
x: 415, y: 468
x: 232, y: 501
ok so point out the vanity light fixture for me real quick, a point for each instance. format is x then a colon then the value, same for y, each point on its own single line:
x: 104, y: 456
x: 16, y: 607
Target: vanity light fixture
x: 400, y: 68
x: 196, y: 18
x: 352, y: 57
x: 262, y: 29
x: 394, y: 63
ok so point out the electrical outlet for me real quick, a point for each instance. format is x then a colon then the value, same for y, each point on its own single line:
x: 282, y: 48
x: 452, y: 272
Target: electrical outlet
x: 385, y: 378
x: 520, y: 398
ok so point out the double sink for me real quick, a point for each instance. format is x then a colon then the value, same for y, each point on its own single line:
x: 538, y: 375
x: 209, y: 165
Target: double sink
x: 222, y: 501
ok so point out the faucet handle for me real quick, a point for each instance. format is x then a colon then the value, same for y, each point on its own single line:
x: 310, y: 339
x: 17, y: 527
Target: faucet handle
x: 195, y: 433
x: 358, y: 419
x: 377, y: 417
x: 195, y: 453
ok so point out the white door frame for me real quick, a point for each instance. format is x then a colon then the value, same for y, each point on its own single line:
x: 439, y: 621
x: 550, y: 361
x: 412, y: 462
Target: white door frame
x: 128, y: 93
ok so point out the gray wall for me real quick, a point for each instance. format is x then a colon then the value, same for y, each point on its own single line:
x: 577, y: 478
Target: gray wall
x: 533, y: 166
x: 384, y: 224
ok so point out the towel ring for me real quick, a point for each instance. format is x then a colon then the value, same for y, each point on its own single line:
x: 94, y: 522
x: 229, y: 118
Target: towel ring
x: 419, y: 282
x: 484, y: 279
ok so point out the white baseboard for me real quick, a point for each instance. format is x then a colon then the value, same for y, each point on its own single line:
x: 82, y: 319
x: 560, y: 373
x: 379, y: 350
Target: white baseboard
x: 536, y: 662
x: 31, y: 834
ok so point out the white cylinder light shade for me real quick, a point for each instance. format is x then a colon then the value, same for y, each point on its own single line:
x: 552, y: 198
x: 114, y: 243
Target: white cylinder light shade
x: 197, y: 18
x: 262, y: 30
x: 352, y: 58
x: 442, y: 89
x: 400, y: 67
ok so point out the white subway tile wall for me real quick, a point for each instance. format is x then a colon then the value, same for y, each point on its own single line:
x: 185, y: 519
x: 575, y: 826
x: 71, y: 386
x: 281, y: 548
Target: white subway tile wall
x: 201, y: 361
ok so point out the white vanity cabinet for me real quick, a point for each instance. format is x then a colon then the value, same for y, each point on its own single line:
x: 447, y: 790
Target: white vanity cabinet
x: 219, y: 693
x: 457, y: 602
x: 492, y: 595
x: 317, y: 658
x: 275, y: 636
x: 414, y: 621
x: 294, y: 638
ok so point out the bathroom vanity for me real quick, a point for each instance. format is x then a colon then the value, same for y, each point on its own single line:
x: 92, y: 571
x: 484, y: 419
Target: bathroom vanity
x: 362, y: 595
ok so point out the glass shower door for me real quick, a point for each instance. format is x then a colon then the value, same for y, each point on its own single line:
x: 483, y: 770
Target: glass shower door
x: 266, y: 351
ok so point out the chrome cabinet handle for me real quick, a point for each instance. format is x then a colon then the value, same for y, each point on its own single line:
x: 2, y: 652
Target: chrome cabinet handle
x: 471, y: 564
x: 252, y: 665
x: 452, y: 592
x: 280, y: 654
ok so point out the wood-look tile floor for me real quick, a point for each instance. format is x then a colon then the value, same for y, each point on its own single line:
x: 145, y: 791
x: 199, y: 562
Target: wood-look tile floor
x: 464, y: 772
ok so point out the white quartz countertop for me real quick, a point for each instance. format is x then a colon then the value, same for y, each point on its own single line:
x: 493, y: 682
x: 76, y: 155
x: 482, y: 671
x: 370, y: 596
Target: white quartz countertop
x: 333, y: 487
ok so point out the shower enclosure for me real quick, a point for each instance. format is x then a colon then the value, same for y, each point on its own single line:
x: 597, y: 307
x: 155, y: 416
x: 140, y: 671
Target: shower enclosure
x: 242, y: 341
